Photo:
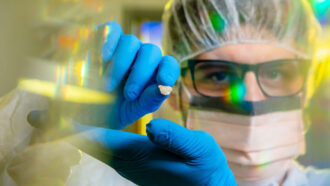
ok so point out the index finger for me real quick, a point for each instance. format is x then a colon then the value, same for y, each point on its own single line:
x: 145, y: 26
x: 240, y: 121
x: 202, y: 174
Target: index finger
x: 168, y: 71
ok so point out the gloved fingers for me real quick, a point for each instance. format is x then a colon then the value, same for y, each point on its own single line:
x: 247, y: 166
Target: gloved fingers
x: 121, y: 61
x: 107, y: 144
x: 168, y: 71
x: 112, y: 32
x: 145, y: 66
x: 181, y: 141
x: 152, y: 96
x: 98, y: 142
x: 150, y: 100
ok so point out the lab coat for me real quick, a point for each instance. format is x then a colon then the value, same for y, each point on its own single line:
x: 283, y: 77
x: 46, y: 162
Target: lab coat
x: 300, y: 176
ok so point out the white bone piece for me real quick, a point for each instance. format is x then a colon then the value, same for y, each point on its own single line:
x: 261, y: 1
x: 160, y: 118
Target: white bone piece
x: 165, y: 90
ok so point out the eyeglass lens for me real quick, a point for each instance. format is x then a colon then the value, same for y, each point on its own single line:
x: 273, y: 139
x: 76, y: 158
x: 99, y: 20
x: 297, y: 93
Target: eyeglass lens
x: 216, y: 79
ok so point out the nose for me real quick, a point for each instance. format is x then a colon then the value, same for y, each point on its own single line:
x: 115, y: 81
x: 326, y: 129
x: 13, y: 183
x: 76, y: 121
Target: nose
x: 253, y: 91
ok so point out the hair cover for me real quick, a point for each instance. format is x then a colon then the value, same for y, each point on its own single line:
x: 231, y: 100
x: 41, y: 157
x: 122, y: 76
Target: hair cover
x: 192, y: 27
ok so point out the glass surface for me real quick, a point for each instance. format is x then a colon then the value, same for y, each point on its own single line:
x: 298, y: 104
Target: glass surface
x: 282, y: 78
x: 216, y: 78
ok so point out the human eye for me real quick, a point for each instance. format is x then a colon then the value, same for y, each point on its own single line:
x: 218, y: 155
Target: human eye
x: 273, y: 74
x: 277, y: 74
x: 214, y: 79
x: 219, y: 77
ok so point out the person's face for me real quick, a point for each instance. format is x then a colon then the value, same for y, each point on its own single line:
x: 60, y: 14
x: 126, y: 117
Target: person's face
x: 244, y: 54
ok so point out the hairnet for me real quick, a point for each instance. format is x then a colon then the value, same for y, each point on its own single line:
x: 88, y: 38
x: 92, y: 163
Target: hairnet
x: 192, y: 27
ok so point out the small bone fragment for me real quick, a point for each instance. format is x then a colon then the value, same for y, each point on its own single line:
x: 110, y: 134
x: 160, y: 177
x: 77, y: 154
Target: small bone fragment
x: 165, y: 90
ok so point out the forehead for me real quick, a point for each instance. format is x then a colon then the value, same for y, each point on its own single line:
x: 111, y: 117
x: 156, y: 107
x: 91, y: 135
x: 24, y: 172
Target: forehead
x: 248, y: 53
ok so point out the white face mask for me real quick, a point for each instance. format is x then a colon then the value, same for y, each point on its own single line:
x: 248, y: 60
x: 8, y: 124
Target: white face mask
x: 260, y: 139
x: 256, y: 147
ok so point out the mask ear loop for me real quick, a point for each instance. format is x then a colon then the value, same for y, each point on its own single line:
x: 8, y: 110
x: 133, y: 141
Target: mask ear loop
x: 306, y: 118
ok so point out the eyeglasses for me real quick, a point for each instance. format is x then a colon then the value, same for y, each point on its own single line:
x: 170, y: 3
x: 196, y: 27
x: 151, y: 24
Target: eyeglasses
x: 216, y: 78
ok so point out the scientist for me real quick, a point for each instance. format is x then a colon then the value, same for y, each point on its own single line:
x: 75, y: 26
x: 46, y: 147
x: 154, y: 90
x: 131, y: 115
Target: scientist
x: 243, y: 69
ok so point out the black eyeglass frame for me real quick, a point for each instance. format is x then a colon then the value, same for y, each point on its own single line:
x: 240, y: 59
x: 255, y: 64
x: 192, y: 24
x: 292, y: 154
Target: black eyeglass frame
x: 190, y: 64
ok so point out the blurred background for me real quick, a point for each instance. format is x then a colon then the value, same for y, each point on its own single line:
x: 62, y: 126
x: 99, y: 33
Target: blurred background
x: 36, y: 36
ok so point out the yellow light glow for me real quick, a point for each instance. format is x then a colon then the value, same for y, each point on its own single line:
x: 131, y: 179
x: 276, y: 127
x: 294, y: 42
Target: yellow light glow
x: 70, y: 93
x: 168, y: 5
x: 320, y: 69
x: 85, y: 33
x: 83, y: 69
x: 75, y: 47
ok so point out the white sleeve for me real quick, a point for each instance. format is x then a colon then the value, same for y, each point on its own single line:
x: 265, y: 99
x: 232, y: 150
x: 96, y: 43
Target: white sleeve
x: 298, y: 176
x: 318, y: 177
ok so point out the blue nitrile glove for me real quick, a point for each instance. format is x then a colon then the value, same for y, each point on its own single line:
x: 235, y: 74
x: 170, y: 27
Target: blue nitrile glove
x: 169, y: 155
x: 133, y: 71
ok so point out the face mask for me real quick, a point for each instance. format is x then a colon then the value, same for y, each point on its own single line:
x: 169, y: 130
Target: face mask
x: 256, y: 147
x: 259, y: 139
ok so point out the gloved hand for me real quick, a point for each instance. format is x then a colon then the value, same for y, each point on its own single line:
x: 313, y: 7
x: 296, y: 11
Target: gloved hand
x: 133, y: 71
x: 169, y: 155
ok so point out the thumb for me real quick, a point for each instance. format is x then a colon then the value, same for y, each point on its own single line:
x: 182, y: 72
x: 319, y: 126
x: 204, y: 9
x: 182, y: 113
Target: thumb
x: 181, y: 141
x: 38, y: 118
x: 150, y: 100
